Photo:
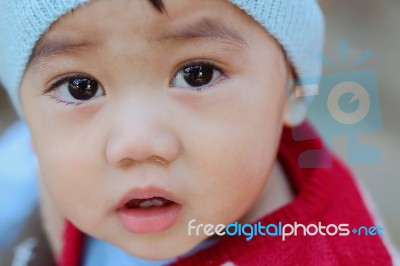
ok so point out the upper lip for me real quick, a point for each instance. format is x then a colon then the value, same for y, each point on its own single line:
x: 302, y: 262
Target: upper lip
x: 145, y: 193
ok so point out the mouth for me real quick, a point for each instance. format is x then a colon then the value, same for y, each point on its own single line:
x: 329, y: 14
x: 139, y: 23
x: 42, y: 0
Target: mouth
x: 155, y: 202
x: 148, y: 210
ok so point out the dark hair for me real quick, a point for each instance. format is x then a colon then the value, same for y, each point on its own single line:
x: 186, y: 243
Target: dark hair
x: 158, y: 4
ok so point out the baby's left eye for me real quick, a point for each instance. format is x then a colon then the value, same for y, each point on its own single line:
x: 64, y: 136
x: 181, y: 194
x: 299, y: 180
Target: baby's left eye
x: 196, y: 76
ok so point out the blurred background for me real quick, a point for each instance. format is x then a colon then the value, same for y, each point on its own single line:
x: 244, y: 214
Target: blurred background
x: 365, y: 25
x: 375, y: 26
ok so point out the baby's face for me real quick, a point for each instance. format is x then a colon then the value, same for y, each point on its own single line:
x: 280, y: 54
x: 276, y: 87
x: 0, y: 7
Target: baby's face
x: 143, y: 121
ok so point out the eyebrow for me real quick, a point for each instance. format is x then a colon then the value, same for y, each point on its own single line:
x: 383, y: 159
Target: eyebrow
x: 205, y: 28
x: 46, y: 48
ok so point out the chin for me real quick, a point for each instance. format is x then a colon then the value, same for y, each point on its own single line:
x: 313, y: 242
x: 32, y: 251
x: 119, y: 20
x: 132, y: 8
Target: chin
x: 159, y: 250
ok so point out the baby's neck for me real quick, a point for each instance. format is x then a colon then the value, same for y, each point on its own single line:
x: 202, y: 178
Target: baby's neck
x: 276, y: 193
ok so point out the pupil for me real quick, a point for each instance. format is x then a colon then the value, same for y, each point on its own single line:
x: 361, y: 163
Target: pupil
x: 83, y: 88
x: 198, y: 75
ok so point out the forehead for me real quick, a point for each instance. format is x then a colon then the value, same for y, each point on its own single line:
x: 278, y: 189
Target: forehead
x: 111, y: 14
x: 100, y: 21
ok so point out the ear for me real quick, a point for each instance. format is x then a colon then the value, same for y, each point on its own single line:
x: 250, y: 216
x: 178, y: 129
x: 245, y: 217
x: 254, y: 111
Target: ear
x: 296, y: 108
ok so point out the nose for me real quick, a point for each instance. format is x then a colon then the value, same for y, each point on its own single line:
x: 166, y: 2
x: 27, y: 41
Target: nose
x: 140, y: 134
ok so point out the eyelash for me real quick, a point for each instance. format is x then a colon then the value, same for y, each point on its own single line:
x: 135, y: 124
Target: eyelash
x: 223, y: 77
x: 74, y: 105
x: 62, y: 81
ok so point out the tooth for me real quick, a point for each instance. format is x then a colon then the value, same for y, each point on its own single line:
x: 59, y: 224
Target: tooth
x: 146, y: 204
x: 157, y: 203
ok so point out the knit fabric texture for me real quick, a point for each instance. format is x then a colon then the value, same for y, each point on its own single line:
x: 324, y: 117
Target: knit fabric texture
x: 298, y: 25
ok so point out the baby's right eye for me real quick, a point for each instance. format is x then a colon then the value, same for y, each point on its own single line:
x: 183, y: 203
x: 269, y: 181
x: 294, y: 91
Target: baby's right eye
x: 76, y: 90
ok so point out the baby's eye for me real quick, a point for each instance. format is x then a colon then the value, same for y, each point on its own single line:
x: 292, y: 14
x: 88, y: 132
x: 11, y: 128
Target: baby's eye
x: 75, y: 90
x: 197, y: 76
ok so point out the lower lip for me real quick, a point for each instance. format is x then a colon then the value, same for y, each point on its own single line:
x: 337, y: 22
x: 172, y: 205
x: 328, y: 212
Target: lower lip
x: 152, y: 220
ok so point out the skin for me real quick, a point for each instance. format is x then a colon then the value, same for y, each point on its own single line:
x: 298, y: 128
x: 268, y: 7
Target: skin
x: 219, y: 144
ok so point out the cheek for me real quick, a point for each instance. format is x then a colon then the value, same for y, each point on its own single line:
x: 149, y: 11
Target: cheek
x: 237, y: 154
x: 69, y: 164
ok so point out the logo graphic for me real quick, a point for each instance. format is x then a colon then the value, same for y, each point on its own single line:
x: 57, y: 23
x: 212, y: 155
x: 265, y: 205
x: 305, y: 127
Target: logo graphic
x: 356, y: 94
x: 281, y: 230
x: 347, y: 105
